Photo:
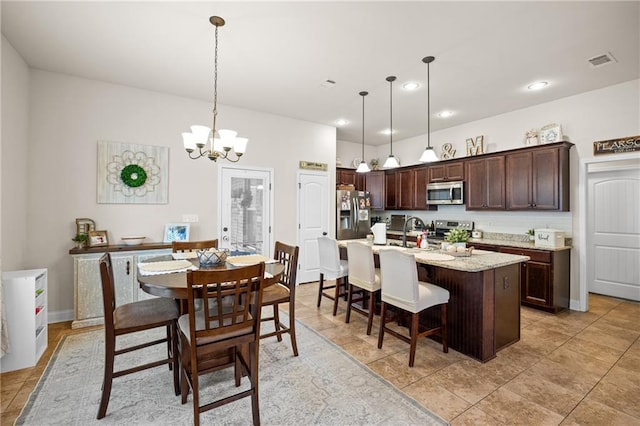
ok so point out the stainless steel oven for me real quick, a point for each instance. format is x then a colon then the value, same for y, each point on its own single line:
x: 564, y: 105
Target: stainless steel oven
x: 445, y: 193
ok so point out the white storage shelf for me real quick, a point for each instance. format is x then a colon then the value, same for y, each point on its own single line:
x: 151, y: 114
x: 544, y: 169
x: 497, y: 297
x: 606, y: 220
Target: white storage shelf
x: 25, y: 302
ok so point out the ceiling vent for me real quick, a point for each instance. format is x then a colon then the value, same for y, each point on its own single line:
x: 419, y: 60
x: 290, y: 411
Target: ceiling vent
x: 328, y: 84
x: 602, y: 60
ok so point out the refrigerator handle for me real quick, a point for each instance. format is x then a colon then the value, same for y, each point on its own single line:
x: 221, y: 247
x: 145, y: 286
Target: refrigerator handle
x: 354, y: 200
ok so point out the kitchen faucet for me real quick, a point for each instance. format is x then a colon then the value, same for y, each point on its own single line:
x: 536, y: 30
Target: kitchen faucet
x: 404, y: 228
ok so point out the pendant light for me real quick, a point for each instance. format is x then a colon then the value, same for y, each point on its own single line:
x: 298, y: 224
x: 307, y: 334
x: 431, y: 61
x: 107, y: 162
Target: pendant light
x: 363, y: 167
x: 429, y: 155
x: 392, y: 161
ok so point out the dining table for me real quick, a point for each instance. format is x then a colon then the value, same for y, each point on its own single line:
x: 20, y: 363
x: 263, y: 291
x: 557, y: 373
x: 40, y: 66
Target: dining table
x: 173, y: 284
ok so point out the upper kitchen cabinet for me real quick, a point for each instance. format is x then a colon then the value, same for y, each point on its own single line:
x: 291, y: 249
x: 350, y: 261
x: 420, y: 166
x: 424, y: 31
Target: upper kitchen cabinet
x: 350, y: 177
x: 485, y: 188
x: 390, y: 190
x: 538, y: 178
x: 405, y: 189
x: 374, y: 184
x: 446, y: 171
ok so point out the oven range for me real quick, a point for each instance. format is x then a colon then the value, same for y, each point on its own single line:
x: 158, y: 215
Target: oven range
x: 444, y: 226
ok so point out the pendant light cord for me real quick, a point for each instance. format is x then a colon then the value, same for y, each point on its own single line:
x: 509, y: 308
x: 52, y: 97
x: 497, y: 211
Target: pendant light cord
x: 363, y: 94
x: 427, y: 60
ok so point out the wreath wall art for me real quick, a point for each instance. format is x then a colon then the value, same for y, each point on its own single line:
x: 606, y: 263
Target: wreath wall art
x: 132, y: 174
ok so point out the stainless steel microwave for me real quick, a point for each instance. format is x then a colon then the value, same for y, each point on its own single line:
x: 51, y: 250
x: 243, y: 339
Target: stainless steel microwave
x: 445, y: 193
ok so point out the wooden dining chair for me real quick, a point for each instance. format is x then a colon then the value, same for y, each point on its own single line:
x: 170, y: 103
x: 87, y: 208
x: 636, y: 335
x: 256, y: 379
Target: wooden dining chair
x: 331, y: 268
x: 184, y: 246
x: 401, y: 289
x: 224, y: 333
x: 283, y: 292
x: 131, y: 318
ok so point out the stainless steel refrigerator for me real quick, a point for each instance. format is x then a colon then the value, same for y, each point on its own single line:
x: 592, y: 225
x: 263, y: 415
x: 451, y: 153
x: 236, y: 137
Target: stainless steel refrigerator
x: 352, y: 218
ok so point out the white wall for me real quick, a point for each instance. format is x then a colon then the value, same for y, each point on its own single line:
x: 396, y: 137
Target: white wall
x: 14, y: 159
x: 72, y: 114
x: 603, y: 114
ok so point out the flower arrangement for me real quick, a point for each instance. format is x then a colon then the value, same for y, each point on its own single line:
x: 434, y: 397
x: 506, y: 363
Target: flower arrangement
x: 80, y: 239
x: 457, y: 236
x: 532, y: 234
x: 374, y: 163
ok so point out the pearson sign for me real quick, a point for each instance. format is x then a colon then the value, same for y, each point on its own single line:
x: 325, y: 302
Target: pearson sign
x: 615, y: 146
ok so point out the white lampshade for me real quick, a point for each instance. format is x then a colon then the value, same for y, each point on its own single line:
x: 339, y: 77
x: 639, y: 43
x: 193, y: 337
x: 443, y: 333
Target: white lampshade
x: 391, y: 162
x: 240, y: 145
x: 363, y: 167
x: 188, y: 141
x: 200, y: 134
x: 217, y: 145
x: 428, y: 156
x: 228, y: 137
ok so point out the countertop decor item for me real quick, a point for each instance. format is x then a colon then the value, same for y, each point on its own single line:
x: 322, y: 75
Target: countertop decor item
x: 363, y: 167
x: 132, y: 241
x: 80, y: 239
x: 532, y: 234
x: 429, y: 155
x: 391, y: 162
x: 204, y: 138
x: 550, y: 133
x: 457, y: 236
x: 211, y: 257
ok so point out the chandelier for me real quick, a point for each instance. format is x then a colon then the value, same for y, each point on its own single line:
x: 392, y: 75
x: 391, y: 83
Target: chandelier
x: 204, y: 138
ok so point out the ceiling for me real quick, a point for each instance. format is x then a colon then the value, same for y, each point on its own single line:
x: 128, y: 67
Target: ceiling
x: 274, y: 56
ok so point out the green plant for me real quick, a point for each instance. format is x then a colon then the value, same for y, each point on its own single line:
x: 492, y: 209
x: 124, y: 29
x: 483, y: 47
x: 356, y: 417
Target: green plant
x: 80, y: 238
x: 531, y: 232
x: 457, y: 236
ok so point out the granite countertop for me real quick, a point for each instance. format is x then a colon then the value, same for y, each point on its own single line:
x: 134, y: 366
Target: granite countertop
x: 507, y: 240
x: 480, y: 260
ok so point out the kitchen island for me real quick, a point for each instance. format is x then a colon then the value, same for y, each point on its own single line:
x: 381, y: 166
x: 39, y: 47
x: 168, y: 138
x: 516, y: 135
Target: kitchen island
x: 483, y: 315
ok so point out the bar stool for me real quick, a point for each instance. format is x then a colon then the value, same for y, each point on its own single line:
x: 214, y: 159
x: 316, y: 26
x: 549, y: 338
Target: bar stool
x: 331, y: 268
x: 364, y: 278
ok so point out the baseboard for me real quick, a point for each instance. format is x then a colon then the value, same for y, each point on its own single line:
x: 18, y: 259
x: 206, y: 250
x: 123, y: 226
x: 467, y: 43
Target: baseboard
x: 60, y: 316
x: 574, y: 305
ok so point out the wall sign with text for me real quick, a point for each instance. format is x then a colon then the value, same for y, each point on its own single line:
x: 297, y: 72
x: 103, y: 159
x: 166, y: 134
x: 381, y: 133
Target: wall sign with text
x: 616, y: 146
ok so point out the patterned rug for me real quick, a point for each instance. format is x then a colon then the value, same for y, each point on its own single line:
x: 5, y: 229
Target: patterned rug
x: 323, y: 386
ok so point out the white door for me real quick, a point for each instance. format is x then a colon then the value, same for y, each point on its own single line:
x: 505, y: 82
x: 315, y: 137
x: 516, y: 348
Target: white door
x: 313, y: 221
x: 244, y: 210
x: 613, y: 229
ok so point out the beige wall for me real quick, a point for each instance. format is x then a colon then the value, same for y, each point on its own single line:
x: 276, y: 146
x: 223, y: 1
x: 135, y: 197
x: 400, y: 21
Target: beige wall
x: 72, y: 114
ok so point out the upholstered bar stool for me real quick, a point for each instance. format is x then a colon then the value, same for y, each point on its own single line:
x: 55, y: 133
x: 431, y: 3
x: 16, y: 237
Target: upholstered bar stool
x: 364, y: 278
x: 331, y: 268
x: 401, y: 289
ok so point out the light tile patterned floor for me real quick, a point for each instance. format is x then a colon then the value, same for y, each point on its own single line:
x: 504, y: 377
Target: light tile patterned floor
x: 574, y: 368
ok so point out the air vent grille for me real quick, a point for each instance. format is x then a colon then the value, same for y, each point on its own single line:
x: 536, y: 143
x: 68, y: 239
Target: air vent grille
x: 601, y: 60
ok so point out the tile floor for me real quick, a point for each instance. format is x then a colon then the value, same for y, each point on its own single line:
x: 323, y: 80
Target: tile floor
x: 574, y: 368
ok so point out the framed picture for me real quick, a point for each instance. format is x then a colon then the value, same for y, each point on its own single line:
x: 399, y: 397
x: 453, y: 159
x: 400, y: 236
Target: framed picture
x: 98, y: 239
x: 176, y: 232
x: 550, y: 133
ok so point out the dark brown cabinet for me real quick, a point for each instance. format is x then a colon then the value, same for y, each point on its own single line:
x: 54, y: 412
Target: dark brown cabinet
x: 485, y: 187
x: 405, y: 189
x: 374, y: 183
x: 544, y: 278
x: 420, y: 179
x: 443, y: 172
x: 538, y: 178
x: 390, y: 193
x: 350, y: 177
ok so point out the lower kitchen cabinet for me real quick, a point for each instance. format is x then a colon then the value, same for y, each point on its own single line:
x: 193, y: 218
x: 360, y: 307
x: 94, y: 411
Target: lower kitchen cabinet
x: 87, y: 283
x: 545, y: 278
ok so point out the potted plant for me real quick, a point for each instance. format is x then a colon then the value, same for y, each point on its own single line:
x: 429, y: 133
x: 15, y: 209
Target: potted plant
x: 458, y: 237
x: 80, y: 239
x: 532, y: 234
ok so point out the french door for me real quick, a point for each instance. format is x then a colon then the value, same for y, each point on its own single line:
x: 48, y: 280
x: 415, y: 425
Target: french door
x: 244, y: 210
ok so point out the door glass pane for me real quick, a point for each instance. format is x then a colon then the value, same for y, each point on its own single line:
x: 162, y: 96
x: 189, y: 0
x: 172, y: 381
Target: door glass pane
x: 247, y: 219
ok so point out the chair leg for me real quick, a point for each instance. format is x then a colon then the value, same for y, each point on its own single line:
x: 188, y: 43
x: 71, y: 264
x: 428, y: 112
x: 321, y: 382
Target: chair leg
x: 445, y: 345
x: 109, y: 356
x: 320, y: 286
x: 292, y: 327
x: 276, y: 320
x: 383, y: 313
x: 349, y: 302
x: 175, y: 363
x: 337, y: 295
x: 372, y: 304
x: 414, y: 338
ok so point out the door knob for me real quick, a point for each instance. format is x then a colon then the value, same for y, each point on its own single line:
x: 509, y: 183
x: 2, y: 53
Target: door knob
x: 225, y: 229
x: 324, y: 234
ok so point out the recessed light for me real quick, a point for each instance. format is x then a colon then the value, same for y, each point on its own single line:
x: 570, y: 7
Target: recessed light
x: 387, y: 132
x: 410, y: 85
x: 445, y: 114
x: 341, y: 122
x: 537, y: 85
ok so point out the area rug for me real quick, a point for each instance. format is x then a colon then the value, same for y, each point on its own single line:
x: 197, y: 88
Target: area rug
x: 323, y: 386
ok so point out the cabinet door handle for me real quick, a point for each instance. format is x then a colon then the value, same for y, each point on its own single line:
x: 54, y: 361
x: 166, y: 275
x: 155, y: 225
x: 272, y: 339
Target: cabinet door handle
x: 128, y: 267
x: 505, y: 283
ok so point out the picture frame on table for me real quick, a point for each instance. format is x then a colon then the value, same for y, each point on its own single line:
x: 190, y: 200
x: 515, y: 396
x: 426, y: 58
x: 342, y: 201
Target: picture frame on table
x: 176, y: 232
x: 98, y: 239
x: 550, y: 133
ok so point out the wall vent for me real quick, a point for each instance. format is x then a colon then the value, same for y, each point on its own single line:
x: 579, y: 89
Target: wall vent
x: 328, y: 84
x: 601, y: 60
